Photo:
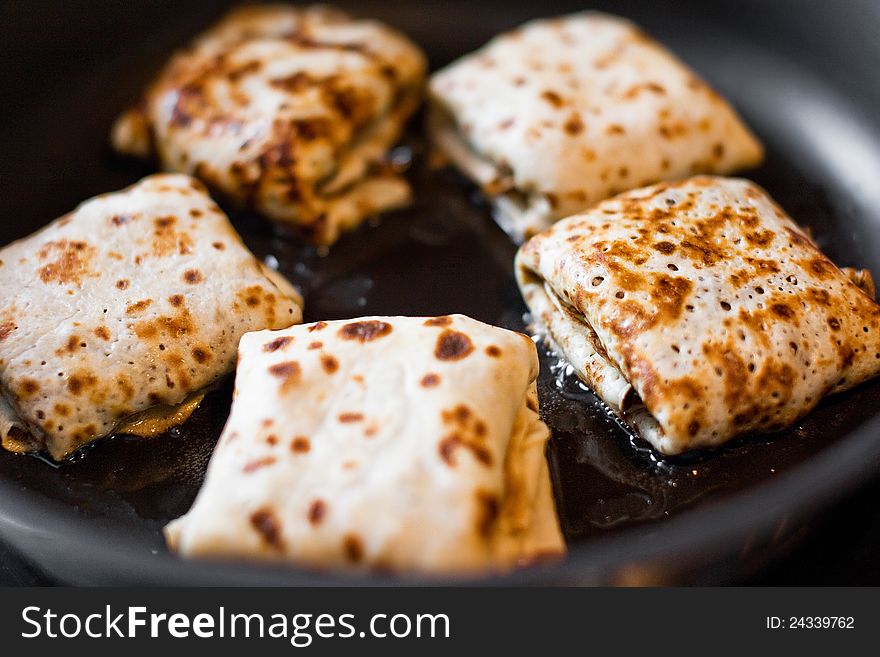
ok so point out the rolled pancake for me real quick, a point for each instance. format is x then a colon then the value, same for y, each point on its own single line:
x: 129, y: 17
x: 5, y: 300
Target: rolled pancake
x: 700, y: 311
x: 135, y: 300
x: 288, y: 111
x: 561, y: 113
x: 402, y: 443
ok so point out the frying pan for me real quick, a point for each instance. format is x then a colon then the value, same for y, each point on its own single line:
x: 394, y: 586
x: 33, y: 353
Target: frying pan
x: 802, y: 74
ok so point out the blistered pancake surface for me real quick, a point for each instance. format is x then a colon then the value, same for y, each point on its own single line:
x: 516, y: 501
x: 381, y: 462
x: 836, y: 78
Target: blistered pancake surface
x: 134, y: 299
x: 285, y: 110
x: 720, y: 311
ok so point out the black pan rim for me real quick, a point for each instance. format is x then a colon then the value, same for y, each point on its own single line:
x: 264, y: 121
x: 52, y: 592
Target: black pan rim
x: 754, y: 513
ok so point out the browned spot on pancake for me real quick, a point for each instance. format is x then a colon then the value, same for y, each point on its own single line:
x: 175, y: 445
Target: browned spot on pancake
x: 122, y: 284
x: 85, y: 434
x: 267, y: 525
x: 317, y: 326
x: 615, y: 129
x: 192, y: 276
x: 365, y: 331
x: 775, y: 380
x: 665, y: 247
x: 73, y: 343
x: 704, y: 253
x: 120, y: 219
x: 28, y: 388
x: 201, y: 354
x: 782, y: 310
x: 220, y: 246
x: 819, y: 296
x: 71, y: 264
x: 553, y: 98
x: 351, y: 417
x: 317, y: 511
x: 469, y: 432
x: 62, y: 409
x: 820, y: 266
x: 6, y: 328
x: 138, y: 306
x: 272, y: 439
x: 574, y: 125
x: 80, y: 381
x: 353, y: 548
x: 329, y: 363
x: 430, y: 380
x: 300, y: 445
x: 453, y: 345
x: 669, y: 294
x: 289, y: 372
x: 734, y: 372
x: 352, y: 104
x: 296, y: 83
x: 259, y: 463
x: 254, y: 295
x: 277, y: 343
x: 458, y: 415
x: 315, y: 345
x: 176, y: 300
x: 488, y: 507
x: 236, y: 73
x: 123, y: 384
x: 444, y: 320
x: 447, y: 448
x: 636, y: 89
x: 760, y: 238
x: 102, y: 332
x: 174, y: 327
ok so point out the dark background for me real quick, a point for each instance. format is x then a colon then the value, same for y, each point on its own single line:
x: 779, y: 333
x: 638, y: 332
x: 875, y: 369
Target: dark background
x: 839, y: 549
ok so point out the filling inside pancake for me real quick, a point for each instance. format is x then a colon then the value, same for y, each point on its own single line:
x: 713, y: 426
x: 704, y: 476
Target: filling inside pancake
x: 15, y: 437
x: 572, y: 337
x: 519, y: 213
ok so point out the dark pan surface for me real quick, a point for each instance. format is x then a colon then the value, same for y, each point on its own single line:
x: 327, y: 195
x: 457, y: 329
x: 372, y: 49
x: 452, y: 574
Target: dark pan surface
x: 627, y: 515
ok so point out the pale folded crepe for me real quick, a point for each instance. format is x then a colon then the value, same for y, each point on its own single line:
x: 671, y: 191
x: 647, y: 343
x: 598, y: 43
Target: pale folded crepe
x: 700, y: 311
x: 115, y: 317
x: 397, y: 443
x: 288, y: 111
x: 561, y: 113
